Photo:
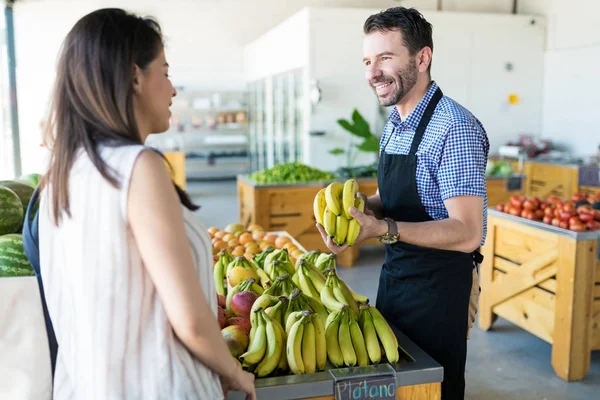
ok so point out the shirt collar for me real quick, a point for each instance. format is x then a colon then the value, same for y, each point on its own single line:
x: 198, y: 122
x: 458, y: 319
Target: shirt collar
x: 415, y: 115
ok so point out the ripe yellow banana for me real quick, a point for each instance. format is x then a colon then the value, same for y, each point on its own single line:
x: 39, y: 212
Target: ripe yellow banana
x: 349, y: 193
x: 329, y: 301
x: 309, y: 350
x: 316, y: 277
x: 368, y: 329
x: 386, y: 336
x: 329, y: 220
x: 219, y: 277
x: 320, y: 342
x: 319, y: 205
x: 282, y: 366
x: 334, y: 353
x: 275, y: 346
x: 333, y: 197
x: 353, y: 231
x: 294, y: 348
x: 339, y: 295
x: 291, y: 320
x: 359, y: 203
x: 306, y: 284
x: 341, y: 230
x: 263, y: 302
x: 346, y: 341
x: 358, y: 341
x: 258, y: 345
x: 347, y: 294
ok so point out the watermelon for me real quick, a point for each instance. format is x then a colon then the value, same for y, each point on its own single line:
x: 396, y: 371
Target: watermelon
x: 13, y: 261
x: 30, y: 179
x: 11, y: 211
x: 23, y: 190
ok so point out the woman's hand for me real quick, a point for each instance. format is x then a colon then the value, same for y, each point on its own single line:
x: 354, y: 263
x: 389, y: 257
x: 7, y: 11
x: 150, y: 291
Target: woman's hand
x: 241, y: 381
x: 370, y: 227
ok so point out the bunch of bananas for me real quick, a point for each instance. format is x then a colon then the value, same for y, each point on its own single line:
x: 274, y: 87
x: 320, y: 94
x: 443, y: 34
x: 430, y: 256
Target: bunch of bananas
x: 311, y: 257
x: 300, y: 302
x: 229, y: 272
x: 378, y: 335
x: 344, y: 339
x: 309, y: 279
x: 336, y: 294
x: 306, y: 346
x: 331, y: 208
x: 278, y: 263
x: 282, y: 287
x: 325, y: 261
x: 267, y: 349
x: 219, y: 271
x: 259, y: 259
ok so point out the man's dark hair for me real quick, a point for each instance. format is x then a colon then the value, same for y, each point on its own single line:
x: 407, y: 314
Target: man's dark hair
x: 415, y: 29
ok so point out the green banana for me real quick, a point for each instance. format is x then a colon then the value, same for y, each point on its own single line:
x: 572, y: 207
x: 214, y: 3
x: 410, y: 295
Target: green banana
x: 294, y: 347
x: 358, y: 341
x: 345, y: 340
x: 310, y: 257
x: 260, y: 258
x: 258, y: 345
x: 329, y: 301
x: 386, y: 335
x: 325, y: 261
x: 320, y: 342
x: 334, y: 353
x: 348, y: 195
x: 275, y: 345
x: 309, y: 349
x: 219, y: 277
x: 333, y: 197
x: 314, y: 305
x: 370, y: 335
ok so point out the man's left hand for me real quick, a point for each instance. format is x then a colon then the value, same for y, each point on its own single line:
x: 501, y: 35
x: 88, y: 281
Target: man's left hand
x: 370, y: 227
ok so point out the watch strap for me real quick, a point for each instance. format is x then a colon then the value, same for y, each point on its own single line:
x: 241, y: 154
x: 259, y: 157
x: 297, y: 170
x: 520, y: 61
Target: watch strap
x: 392, y: 227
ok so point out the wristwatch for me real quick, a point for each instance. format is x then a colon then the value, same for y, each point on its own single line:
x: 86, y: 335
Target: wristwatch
x: 392, y: 235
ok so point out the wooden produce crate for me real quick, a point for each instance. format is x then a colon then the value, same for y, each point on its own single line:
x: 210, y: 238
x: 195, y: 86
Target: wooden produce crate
x: 547, y: 281
x: 499, y: 190
x: 544, y: 180
x: 290, y: 208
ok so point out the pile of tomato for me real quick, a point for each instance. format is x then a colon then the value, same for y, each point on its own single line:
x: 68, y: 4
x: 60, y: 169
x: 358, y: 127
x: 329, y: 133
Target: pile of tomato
x: 579, y: 214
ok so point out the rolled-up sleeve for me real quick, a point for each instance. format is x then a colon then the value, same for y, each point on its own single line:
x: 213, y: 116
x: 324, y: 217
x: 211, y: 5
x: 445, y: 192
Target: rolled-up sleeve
x: 463, y: 161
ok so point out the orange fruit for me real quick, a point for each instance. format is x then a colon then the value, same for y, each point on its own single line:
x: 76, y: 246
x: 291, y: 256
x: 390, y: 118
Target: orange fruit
x: 271, y: 237
x: 233, y: 242
x: 220, y: 234
x: 264, y: 244
x: 297, y: 253
x: 246, y: 238
x: 219, y: 244
x: 259, y: 235
x: 248, y: 256
x: 228, y: 237
x: 255, y: 227
x: 212, y: 230
x: 252, y: 250
x: 237, y: 234
x: 289, y: 246
x: 281, y: 241
x: 238, y: 251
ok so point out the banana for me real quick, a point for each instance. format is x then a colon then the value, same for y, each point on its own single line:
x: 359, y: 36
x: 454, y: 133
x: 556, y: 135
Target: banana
x: 325, y: 261
x: 282, y: 367
x: 219, y: 277
x: 353, y: 231
x: 258, y: 345
x: 316, y: 277
x: 348, y: 195
x: 265, y: 281
x: 333, y: 197
x: 320, y: 342
x: 360, y: 299
x: 347, y: 295
x: 359, y: 203
x: 386, y: 336
x: 294, y: 347
x: 346, y: 341
x: 309, y: 349
x: 341, y: 230
x: 358, y: 341
x: 339, y: 295
x: 334, y: 353
x: 329, y: 220
x: 319, y: 205
x: 262, y: 303
x: 306, y: 284
x: 370, y: 335
x: 291, y: 320
x: 275, y: 345
x: 329, y: 301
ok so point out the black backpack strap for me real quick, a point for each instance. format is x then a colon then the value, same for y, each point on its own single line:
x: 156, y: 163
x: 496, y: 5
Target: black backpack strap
x: 32, y: 250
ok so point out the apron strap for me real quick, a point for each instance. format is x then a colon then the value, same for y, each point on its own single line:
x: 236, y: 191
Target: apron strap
x: 437, y: 96
x: 32, y: 251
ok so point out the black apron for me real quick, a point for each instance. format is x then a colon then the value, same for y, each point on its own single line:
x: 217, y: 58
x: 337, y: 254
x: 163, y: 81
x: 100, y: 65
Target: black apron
x: 423, y: 291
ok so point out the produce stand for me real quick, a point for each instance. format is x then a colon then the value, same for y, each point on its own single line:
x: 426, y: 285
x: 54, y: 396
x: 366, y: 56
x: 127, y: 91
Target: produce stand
x: 289, y: 207
x: 418, y: 376
x: 547, y: 281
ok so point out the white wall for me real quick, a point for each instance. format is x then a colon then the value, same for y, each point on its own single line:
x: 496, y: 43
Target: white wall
x: 572, y: 77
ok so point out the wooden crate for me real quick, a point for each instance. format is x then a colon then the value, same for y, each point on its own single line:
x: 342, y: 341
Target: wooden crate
x: 177, y: 161
x: 547, y: 281
x: 497, y: 191
x: 589, y: 189
x: 544, y: 180
x: 290, y: 208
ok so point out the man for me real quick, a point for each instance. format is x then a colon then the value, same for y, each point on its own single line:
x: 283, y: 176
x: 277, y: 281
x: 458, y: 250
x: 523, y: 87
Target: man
x: 430, y: 208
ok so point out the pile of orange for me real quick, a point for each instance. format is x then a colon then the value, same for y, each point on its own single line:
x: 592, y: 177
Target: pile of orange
x: 248, y: 241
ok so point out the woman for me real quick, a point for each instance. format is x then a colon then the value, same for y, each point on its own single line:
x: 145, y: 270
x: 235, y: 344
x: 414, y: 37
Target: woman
x: 126, y: 265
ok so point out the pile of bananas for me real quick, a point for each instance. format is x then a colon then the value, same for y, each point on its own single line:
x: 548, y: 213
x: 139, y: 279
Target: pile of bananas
x: 331, y: 205
x: 353, y: 341
x: 266, y: 351
x: 306, y: 344
x: 336, y: 295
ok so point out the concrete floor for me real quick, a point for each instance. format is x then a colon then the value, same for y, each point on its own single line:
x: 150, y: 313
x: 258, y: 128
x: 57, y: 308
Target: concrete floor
x: 503, y: 363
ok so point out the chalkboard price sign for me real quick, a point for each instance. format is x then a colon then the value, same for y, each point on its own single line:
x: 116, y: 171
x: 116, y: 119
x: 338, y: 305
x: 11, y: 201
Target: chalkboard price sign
x: 375, y: 382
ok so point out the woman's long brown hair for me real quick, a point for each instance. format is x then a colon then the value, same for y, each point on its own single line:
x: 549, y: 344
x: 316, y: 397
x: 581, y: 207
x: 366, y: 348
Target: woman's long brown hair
x: 92, y: 103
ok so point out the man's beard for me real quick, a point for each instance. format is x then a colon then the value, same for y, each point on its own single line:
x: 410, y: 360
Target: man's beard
x: 403, y: 83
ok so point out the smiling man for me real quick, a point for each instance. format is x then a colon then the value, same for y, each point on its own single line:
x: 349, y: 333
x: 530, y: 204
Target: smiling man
x: 430, y: 208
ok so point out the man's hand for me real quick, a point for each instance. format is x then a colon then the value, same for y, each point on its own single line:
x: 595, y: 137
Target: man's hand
x: 370, y: 227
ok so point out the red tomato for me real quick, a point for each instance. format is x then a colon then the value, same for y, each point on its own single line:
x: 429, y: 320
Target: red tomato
x: 574, y: 220
x: 596, y: 214
x: 529, y: 205
x: 578, y: 227
x: 555, y: 221
x: 565, y: 216
x: 569, y: 207
x: 500, y: 207
x: 593, y: 225
x: 557, y: 212
x: 586, y: 216
x: 515, y: 201
x: 577, y: 197
x: 539, y: 214
x: 547, y: 219
x: 584, y: 208
x: 564, y: 224
x: 549, y: 211
x: 516, y: 211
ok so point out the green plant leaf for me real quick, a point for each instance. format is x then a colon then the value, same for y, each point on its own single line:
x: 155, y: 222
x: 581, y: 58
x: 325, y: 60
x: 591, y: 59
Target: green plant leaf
x: 370, y: 145
x: 347, y: 126
x: 361, y: 126
x: 336, y: 151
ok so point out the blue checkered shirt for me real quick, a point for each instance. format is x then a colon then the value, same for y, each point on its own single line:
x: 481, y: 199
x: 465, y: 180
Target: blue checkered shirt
x: 451, y: 157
